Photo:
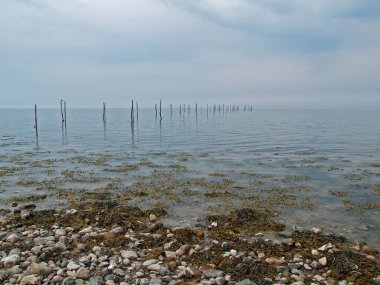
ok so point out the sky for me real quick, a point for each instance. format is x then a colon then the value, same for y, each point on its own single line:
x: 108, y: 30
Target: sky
x: 266, y: 53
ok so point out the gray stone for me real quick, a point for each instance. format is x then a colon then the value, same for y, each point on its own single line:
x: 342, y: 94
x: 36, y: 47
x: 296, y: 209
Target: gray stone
x: 219, y: 281
x: 14, y: 270
x: 154, y: 267
x: 155, y: 281
x: 3, y: 235
x: 130, y: 254
x: 95, y: 280
x: 31, y: 280
x: 72, y: 266
x: 245, y: 282
x: 57, y: 279
x: 39, y: 269
x: 119, y: 272
x: 150, y: 262
x: 112, y: 277
x: 323, y: 261
x: 213, y: 273
x: 12, y: 238
x: 83, y: 273
x: 144, y: 281
x: 68, y: 281
x: 86, y: 230
x: 11, y: 260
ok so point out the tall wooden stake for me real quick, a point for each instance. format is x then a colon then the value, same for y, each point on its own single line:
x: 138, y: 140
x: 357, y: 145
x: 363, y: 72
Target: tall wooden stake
x: 160, y: 110
x: 132, y: 116
x: 104, y: 111
x: 61, y: 110
x: 35, y: 119
x: 64, y: 108
x: 137, y: 109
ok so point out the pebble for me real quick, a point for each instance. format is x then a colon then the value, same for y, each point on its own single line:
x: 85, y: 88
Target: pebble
x: 39, y: 269
x: 31, y: 280
x: 86, y: 230
x: 325, y: 247
x: 245, y: 282
x: 212, y: 273
x: 72, y: 265
x: 70, y: 261
x: 129, y: 254
x: 82, y: 273
x: 154, y: 267
x: 152, y: 218
x: 10, y: 260
x: 315, y: 252
x: 150, y: 262
x: 369, y: 250
x: 322, y: 261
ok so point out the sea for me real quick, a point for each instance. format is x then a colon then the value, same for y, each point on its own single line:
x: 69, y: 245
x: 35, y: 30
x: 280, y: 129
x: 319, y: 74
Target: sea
x: 316, y: 168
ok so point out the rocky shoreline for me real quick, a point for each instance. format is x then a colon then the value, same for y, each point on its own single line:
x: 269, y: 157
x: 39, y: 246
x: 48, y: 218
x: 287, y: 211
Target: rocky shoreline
x: 108, y: 243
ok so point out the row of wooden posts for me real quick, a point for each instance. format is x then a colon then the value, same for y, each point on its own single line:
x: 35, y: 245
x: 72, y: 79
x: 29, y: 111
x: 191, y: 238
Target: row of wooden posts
x: 182, y: 110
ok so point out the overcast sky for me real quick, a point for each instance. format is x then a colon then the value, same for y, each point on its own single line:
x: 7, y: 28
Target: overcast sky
x: 302, y: 53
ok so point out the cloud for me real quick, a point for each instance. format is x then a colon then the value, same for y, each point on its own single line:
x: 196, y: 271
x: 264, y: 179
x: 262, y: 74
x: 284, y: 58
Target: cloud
x: 198, y: 50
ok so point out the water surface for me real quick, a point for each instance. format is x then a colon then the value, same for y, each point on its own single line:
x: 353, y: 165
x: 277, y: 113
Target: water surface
x: 319, y: 168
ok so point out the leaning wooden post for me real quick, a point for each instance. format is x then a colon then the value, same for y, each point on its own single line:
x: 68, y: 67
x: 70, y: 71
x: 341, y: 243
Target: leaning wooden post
x: 35, y: 119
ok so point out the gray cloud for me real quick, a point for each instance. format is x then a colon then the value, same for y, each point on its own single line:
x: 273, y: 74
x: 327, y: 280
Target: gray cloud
x: 293, y: 52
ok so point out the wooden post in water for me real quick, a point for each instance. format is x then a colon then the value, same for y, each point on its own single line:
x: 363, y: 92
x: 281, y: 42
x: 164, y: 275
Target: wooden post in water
x: 64, y: 108
x: 35, y: 119
x: 155, y: 107
x: 160, y: 110
x: 180, y: 109
x: 171, y: 109
x: 137, y: 110
x: 196, y: 108
x: 104, y: 111
x: 61, y: 110
x: 132, y: 115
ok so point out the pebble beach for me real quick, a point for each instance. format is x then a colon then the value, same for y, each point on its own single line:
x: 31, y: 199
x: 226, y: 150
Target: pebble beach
x: 118, y: 244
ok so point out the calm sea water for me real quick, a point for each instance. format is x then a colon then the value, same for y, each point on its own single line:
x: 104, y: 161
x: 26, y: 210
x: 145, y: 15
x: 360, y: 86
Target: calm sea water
x: 334, y: 154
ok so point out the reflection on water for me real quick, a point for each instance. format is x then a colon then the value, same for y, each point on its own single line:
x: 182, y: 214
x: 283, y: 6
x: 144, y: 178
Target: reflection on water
x: 319, y: 168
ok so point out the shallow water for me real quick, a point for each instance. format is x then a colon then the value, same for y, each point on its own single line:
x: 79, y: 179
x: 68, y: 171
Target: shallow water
x: 317, y: 168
